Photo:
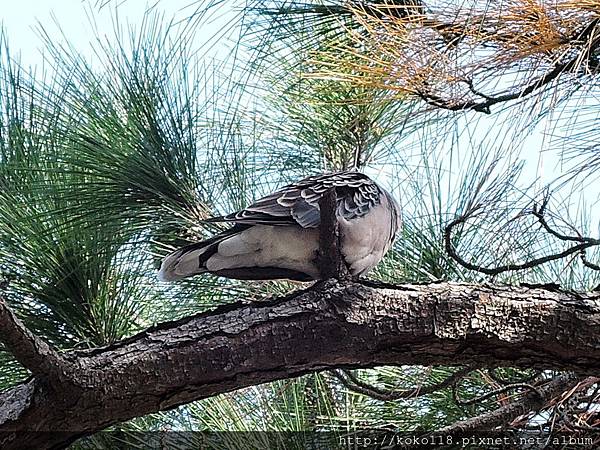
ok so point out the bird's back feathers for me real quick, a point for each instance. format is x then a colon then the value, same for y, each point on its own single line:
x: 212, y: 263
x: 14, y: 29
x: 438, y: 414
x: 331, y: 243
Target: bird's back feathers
x: 298, y: 203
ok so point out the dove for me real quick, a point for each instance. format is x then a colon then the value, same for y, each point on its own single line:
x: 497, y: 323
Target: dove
x: 277, y: 237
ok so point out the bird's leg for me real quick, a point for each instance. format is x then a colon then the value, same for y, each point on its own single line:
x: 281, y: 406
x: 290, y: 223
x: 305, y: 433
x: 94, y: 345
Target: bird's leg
x: 330, y: 261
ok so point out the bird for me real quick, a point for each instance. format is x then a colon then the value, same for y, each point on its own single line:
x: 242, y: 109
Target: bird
x: 277, y: 237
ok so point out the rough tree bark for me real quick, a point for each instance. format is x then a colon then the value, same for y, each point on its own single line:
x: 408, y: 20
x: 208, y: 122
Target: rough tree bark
x: 333, y: 324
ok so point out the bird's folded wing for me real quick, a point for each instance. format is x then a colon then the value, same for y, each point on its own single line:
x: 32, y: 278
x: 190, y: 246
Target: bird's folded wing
x: 298, y: 203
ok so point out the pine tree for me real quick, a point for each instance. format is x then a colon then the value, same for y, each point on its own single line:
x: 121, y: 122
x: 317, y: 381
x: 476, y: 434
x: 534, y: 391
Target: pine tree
x: 106, y: 166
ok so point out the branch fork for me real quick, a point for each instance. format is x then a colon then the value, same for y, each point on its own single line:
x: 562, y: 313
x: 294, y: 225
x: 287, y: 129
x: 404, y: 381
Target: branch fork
x: 31, y: 352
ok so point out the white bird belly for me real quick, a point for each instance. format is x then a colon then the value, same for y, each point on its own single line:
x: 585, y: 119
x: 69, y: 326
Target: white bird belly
x: 287, y: 247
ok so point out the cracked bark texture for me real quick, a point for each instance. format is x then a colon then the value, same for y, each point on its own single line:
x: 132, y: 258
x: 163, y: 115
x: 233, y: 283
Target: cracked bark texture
x: 330, y: 325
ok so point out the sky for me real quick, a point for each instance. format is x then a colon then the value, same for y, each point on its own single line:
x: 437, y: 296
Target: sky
x: 22, y: 21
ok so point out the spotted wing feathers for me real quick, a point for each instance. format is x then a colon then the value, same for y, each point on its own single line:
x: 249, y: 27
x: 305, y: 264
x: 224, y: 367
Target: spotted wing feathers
x: 298, y: 203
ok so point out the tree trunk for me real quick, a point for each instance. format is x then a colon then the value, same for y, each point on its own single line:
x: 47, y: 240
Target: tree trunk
x: 329, y: 325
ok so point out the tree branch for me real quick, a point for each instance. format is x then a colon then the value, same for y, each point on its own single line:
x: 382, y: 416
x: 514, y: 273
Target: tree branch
x: 29, y: 350
x: 330, y: 261
x: 331, y: 325
x: 353, y: 383
x: 535, y: 376
x: 531, y: 402
x: 587, y: 263
x: 585, y: 243
x: 493, y: 393
x: 539, y: 213
x: 588, y: 46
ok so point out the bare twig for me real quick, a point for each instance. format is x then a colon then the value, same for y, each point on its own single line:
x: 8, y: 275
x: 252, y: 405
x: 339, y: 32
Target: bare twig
x: 500, y: 390
x: 353, y: 383
x: 587, y: 263
x: 539, y: 213
x: 529, y: 403
x: 507, y: 267
x: 330, y: 261
x: 397, y: 9
x: 567, y: 408
x: 554, y: 73
x: 583, y: 242
x: 498, y: 379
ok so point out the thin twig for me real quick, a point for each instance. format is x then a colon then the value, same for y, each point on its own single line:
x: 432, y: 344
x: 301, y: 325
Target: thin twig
x: 330, y: 261
x: 500, y: 390
x: 353, y: 383
x: 498, y: 379
x: 587, y: 263
x: 532, y: 401
x: 550, y: 76
x: 507, y: 267
x: 539, y: 213
x: 569, y: 405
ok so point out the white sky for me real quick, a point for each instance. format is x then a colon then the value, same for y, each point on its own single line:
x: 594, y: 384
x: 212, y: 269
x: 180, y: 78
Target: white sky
x: 21, y: 20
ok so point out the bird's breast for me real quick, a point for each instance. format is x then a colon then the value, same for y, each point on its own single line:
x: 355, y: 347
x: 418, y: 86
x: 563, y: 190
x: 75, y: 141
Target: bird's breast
x: 366, y: 239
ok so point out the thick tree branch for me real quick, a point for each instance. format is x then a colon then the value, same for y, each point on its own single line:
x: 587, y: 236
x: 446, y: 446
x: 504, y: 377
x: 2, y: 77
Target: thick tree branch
x: 32, y: 352
x: 331, y: 325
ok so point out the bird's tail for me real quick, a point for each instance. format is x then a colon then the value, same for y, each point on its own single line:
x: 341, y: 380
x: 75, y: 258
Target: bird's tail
x: 189, y: 260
